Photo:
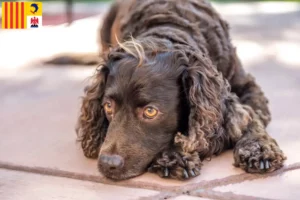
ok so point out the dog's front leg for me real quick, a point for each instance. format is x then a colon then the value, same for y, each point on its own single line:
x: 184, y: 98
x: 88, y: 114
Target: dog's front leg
x: 249, y: 92
x: 255, y: 150
x: 176, y: 163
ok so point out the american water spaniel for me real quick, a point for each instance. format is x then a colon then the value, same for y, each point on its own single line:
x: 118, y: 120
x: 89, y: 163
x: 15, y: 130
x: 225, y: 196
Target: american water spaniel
x: 169, y: 92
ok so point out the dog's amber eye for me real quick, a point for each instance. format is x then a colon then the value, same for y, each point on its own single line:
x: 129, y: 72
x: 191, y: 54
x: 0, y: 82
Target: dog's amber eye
x: 150, y: 112
x: 108, y: 108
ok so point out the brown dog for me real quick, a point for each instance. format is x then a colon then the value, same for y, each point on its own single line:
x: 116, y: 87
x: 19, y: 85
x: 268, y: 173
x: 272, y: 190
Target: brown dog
x: 170, y: 92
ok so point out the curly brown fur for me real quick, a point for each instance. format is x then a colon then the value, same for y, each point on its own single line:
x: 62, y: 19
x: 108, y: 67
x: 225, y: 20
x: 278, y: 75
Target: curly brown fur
x: 256, y: 151
x: 92, y: 124
x: 175, y: 56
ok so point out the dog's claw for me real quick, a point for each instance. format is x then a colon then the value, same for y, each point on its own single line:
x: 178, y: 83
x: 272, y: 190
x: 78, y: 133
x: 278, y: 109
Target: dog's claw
x: 250, y: 164
x: 197, y: 170
x: 261, y: 166
x: 267, y: 164
x: 185, y: 174
x: 192, y: 173
x: 166, y: 172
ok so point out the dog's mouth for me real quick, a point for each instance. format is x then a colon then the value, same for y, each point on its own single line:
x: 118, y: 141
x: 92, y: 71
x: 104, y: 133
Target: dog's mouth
x: 120, y: 174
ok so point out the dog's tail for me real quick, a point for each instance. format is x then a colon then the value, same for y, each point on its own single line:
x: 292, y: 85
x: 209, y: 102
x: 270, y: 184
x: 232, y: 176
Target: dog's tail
x: 74, y: 59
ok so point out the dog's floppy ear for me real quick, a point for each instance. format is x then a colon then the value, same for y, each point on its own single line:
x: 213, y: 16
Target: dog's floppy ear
x: 92, y: 123
x: 203, y: 89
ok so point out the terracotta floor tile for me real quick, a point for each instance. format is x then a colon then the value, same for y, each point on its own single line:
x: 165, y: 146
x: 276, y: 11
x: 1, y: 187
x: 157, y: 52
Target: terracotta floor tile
x: 26, y: 186
x: 284, y: 187
x: 40, y: 116
x: 185, y: 197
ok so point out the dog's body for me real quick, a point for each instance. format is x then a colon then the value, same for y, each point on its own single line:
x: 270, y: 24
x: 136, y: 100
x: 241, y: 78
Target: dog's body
x: 172, y: 96
x: 188, y: 23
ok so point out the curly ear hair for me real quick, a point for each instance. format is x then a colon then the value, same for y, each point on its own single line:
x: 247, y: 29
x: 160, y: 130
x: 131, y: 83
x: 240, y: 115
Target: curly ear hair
x: 204, y: 87
x: 92, y: 123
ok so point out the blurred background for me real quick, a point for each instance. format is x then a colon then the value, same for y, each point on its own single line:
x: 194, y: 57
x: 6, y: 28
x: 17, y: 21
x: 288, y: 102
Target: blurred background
x: 54, y: 8
x: 252, y: 20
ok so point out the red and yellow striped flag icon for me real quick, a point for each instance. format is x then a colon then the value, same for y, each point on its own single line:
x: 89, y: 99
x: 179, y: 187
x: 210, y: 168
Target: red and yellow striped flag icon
x: 21, y: 15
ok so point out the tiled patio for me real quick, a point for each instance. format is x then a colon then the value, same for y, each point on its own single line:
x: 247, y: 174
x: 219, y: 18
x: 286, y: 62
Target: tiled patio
x: 39, y: 156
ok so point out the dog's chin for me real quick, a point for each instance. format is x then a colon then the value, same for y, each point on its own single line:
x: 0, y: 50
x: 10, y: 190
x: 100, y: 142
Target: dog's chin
x: 121, y: 174
x: 118, y: 176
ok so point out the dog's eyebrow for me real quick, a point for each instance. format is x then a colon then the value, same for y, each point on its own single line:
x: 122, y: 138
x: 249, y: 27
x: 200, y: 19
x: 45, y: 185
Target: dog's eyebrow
x: 145, y: 97
x: 112, y: 92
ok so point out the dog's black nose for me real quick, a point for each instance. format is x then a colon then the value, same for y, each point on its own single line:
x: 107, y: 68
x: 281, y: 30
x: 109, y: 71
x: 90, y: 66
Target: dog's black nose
x: 111, y: 162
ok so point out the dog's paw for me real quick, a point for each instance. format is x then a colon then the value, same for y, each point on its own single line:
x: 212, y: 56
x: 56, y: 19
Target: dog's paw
x: 173, y: 165
x: 258, y: 156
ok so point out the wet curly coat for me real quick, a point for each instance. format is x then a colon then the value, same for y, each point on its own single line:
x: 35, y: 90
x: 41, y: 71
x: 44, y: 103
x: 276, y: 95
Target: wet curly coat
x: 173, y: 58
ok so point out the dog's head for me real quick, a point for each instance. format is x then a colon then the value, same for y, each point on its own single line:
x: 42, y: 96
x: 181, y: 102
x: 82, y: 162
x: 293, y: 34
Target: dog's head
x: 140, y: 98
